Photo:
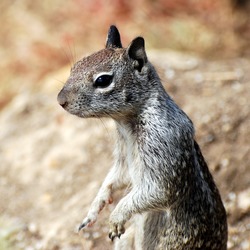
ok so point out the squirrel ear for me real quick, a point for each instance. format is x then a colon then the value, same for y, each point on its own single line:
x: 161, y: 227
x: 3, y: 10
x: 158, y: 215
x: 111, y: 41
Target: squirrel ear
x: 113, y: 38
x: 136, y: 51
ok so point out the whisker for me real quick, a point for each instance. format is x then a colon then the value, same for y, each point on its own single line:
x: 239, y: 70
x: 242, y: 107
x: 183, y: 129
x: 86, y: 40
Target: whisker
x: 59, y: 80
x: 67, y: 56
x: 71, y: 54
x: 74, y: 53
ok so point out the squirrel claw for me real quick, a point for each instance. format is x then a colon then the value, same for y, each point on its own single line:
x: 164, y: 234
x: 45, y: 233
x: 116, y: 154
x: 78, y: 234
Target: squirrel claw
x: 116, y: 232
x: 81, y: 226
x: 111, y: 236
x: 84, y: 224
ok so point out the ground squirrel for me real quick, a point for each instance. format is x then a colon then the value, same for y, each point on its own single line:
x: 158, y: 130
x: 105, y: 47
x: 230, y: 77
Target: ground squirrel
x: 172, y: 197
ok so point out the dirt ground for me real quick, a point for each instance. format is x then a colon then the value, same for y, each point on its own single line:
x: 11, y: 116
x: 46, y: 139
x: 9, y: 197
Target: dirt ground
x: 52, y: 163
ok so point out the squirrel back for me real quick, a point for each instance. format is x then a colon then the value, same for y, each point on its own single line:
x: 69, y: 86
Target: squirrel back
x: 171, y: 188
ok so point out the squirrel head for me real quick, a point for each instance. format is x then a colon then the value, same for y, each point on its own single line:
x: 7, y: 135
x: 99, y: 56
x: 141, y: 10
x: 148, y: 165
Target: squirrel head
x: 110, y: 82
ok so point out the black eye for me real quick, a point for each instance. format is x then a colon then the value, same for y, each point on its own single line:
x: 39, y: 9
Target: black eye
x: 103, y: 81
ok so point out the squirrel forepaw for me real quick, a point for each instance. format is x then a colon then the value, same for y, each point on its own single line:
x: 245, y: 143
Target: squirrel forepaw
x: 116, y: 230
x: 117, y: 221
x: 86, y: 222
x: 96, y: 208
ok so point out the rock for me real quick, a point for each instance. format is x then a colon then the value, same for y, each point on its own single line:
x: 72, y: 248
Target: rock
x: 243, y: 200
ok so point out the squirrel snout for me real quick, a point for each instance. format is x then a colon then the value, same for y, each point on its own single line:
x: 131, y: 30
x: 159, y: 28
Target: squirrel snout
x: 62, y: 99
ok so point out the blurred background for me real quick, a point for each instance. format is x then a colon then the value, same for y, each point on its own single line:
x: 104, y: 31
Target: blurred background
x: 51, y: 163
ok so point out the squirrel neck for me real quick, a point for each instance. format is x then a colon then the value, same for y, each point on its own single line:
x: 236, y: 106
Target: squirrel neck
x: 152, y: 96
x: 154, y: 111
x: 146, y: 112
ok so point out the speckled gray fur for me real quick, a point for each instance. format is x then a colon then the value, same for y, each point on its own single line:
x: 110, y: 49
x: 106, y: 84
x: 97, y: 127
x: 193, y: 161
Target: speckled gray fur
x: 172, y: 198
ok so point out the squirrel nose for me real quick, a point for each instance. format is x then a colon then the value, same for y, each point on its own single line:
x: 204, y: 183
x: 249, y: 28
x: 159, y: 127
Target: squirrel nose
x: 62, y: 99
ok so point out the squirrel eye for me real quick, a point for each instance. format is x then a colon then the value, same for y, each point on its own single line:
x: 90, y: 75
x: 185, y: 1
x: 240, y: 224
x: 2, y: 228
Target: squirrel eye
x: 103, y: 81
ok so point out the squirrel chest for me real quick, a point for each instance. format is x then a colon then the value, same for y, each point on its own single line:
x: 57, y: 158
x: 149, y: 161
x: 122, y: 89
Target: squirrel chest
x: 129, y: 154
